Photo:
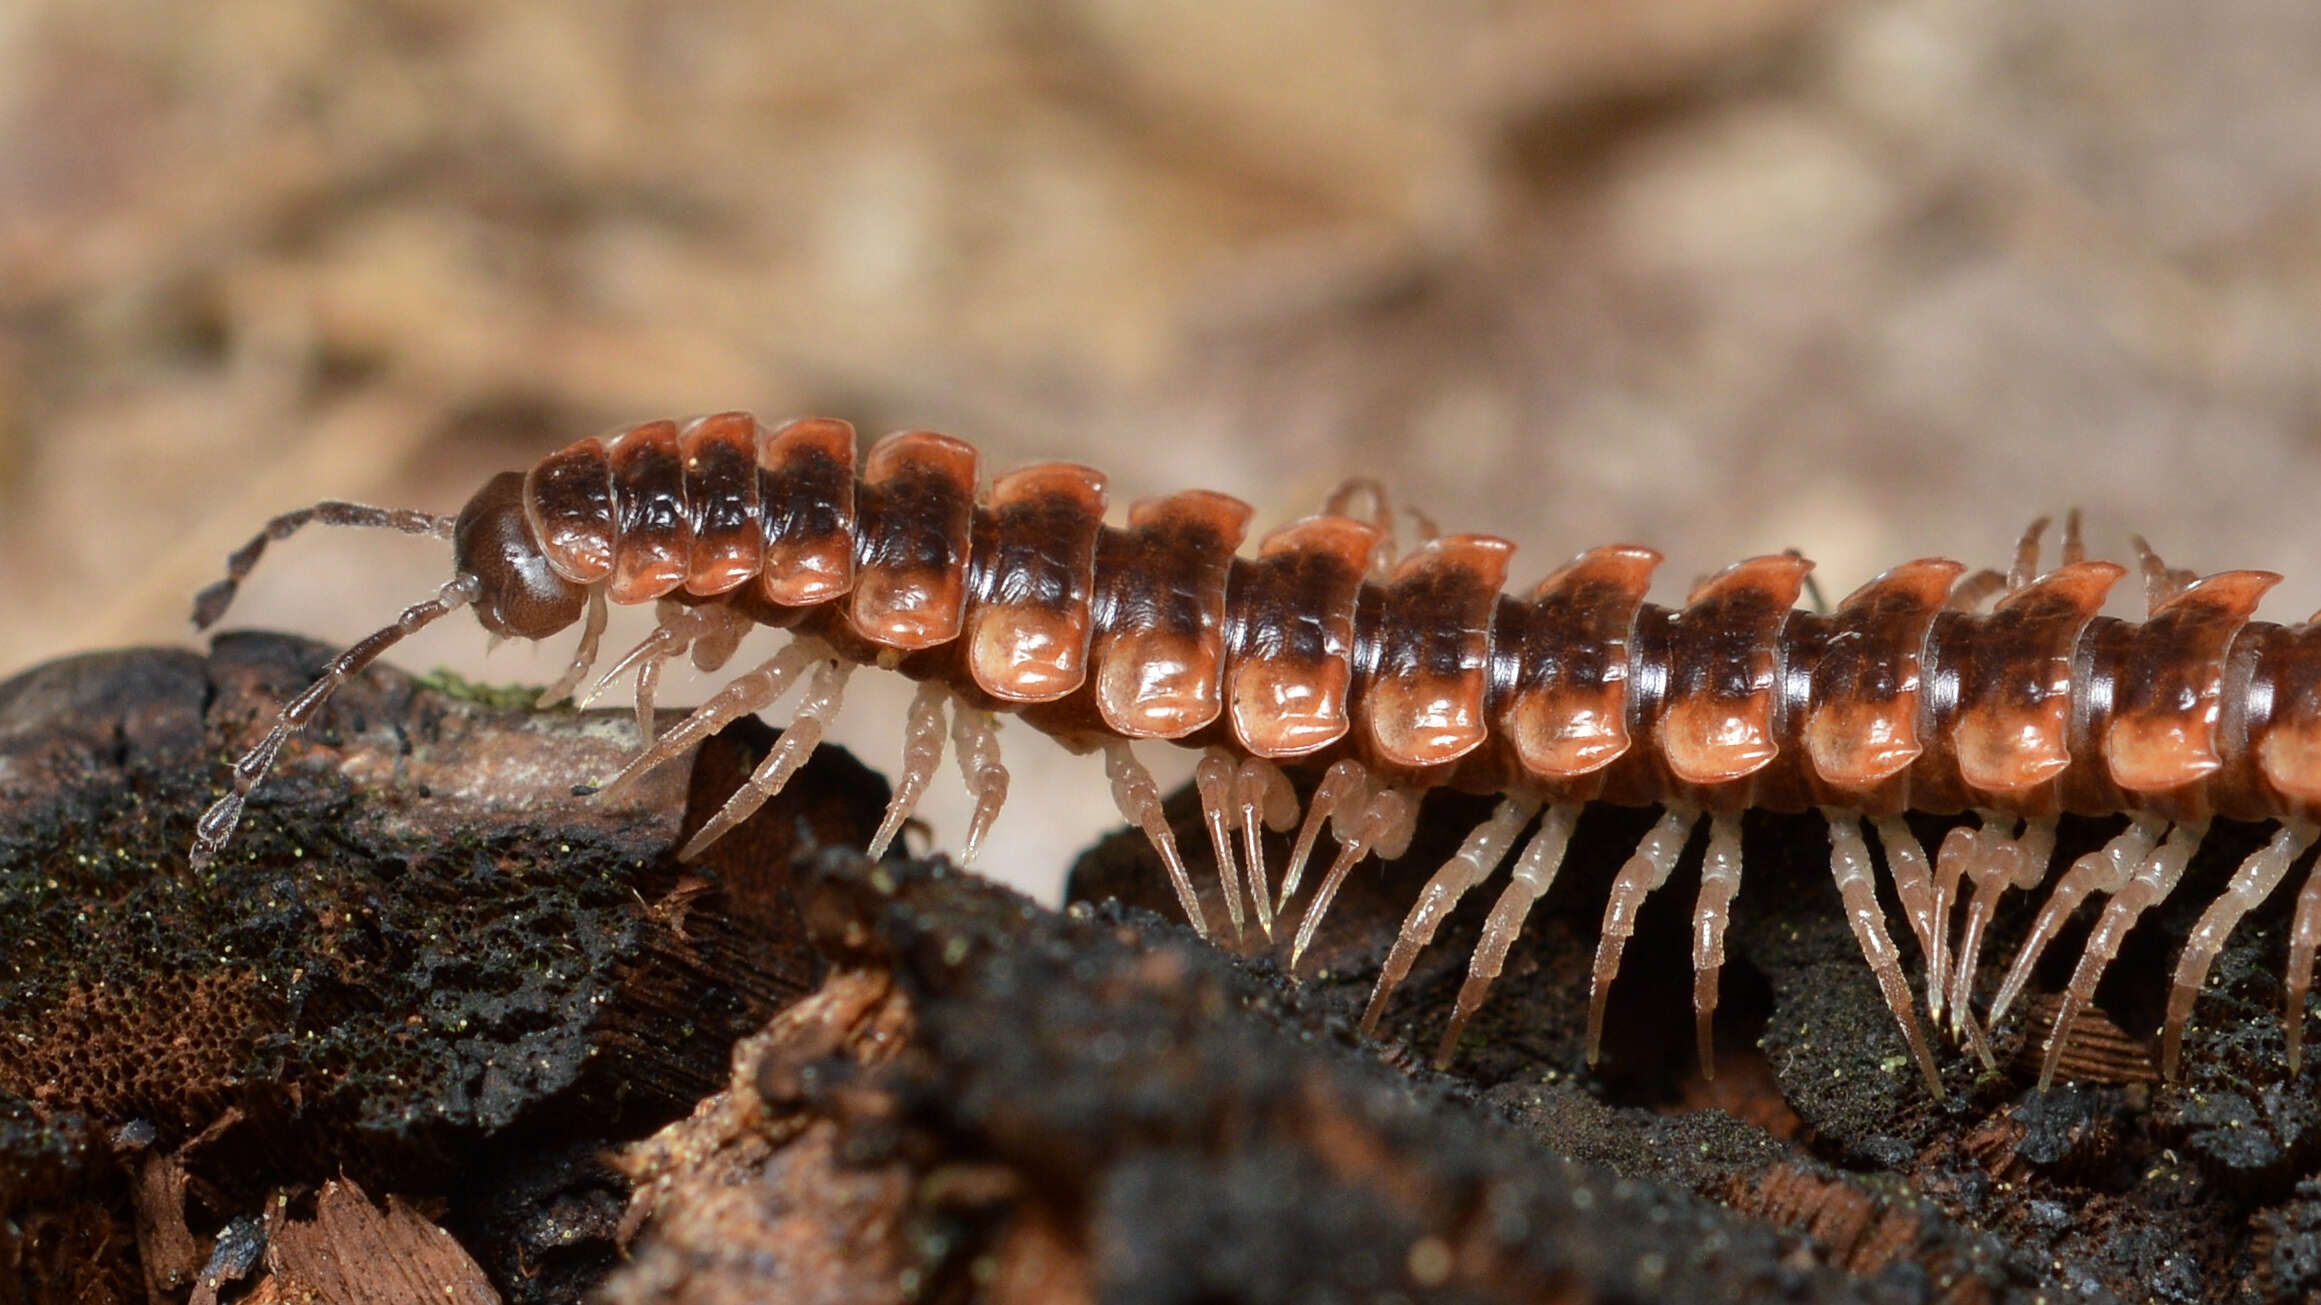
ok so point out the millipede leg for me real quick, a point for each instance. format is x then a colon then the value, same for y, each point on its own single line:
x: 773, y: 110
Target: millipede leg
x: 716, y: 643
x: 1345, y: 783
x: 1139, y: 800
x: 1913, y: 876
x: 922, y: 754
x: 710, y: 633
x: 1264, y: 797
x: 2017, y: 861
x: 1384, y: 824
x: 1213, y: 780
x: 2251, y: 884
x: 1534, y: 873
x: 1644, y: 872
x: 2026, y: 565
x: 1970, y: 592
x: 662, y: 635
x: 1849, y: 864
x: 2304, y: 940
x: 2161, y: 581
x: 1486, y: 846
x: 825, y: 689
x: 675, y: 628
x: 1720, y: 878
x: 975, y: 739
x: 2152, y: 883
x: 1342, y: 502
x: 583, y: 654
x: 743, y: 695
x: 648, y: 688
x: 2104, y: 870
x: 1960, y: 849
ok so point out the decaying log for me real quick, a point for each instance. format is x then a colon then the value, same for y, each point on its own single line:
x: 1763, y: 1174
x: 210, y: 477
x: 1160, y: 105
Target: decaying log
x: 424, y: 964
x: 428, y: 973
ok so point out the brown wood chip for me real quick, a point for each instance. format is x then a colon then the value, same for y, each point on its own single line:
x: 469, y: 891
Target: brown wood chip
x: 355, y: 1253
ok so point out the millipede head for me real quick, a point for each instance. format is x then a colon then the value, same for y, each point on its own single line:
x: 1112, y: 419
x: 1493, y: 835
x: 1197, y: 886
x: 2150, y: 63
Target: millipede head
x: 520, y: 595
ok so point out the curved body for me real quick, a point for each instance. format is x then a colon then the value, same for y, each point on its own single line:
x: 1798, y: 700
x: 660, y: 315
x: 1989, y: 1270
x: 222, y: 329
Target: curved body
x: 1396, y: 673
x: 1028, y: 602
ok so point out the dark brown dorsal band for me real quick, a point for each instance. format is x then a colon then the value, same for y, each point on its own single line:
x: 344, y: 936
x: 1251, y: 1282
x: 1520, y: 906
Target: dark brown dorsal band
x: 1160, y: 650
x: 917, y: 503
x: 1292, y: 607
x: 1426, y: 698
x: 1716, y: 724
x: 655, y: 539
x: 1035, y: 567
x: 721, y: 491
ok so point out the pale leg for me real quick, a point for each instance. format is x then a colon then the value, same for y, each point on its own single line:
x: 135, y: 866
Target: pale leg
x: 745, y: 694
x: 583, y: 656
x: 1849, y: 864
x: 1960, y: 849
x: 676, y: 626
x: 1644, y: 873
x: 1346, y: 784
x: 2304, y: 939
x: 975, y: 738
x: 1384, y: 824
x: 1265, y: 798
x: 2252, y: 883
x: 2152, y: 883
x: 1213, y: 780
x: 2105, y: 871
x: 2007, y: 862
x: 825, y: 689
x: 1720, y: 878
x: 1484, y: 849
x: 1913, y: 876
x: 1534, y: 874
x: 1139, y: 800
x: 922, y: 753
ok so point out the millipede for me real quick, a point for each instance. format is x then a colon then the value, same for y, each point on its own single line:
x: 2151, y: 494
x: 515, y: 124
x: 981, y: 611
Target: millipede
x: 2008, y: 698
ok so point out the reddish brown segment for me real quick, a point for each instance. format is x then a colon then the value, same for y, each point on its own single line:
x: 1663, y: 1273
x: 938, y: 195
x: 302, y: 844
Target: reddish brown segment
x: 1863, y: 727
x: 2288, y: 750
x: 1425, y: 705
x: 1035, y: 565
x: 917, y: 501
x: 2162, y: 734
x: 806, y: 496
x: 1568, y: 713
x: 1294, y: 659
x: 1717, y: 725
x: 721, y: 492
x: 2012, y: 728
x: 653, y: 539
x: 568, y: 503
x: 1160, y: 658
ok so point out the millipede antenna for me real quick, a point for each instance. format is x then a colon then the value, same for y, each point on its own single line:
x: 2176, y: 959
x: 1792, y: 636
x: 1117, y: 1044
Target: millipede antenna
x: 211, y: 603
x: 217, y: 823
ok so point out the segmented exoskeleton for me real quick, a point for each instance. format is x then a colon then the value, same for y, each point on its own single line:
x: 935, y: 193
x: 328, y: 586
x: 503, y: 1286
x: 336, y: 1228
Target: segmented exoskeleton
x: 1396, y: 674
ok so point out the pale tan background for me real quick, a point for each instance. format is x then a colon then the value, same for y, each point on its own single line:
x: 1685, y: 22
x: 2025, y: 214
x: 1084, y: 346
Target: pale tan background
x: 1874, y: 280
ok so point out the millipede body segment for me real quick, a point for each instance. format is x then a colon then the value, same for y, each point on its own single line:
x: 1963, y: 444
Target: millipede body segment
x: 1393, y: 673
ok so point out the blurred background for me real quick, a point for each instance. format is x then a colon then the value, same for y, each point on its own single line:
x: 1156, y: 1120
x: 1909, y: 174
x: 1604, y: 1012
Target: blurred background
x: 1873, y: 280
